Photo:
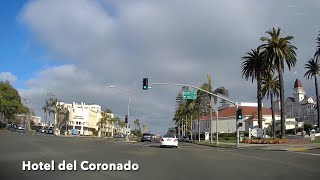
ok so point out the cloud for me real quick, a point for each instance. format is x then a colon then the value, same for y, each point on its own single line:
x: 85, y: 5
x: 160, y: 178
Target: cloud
x: 119, y: 43
x: 8, y: 76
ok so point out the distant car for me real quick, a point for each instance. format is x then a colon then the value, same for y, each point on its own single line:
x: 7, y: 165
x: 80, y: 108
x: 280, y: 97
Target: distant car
x: 50, y: 131
x: 20, y: 128
x: 169, y: 140
x: 185, y: 139
x: 153, y: 136
x: 43, y: 130
x: 146, y: 137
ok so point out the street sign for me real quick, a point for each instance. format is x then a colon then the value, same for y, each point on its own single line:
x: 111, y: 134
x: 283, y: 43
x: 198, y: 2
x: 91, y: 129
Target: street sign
x: 190, y: 95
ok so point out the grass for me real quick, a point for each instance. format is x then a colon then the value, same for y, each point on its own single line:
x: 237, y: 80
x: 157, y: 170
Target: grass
x: 317, y: 140
x: 207, y: 143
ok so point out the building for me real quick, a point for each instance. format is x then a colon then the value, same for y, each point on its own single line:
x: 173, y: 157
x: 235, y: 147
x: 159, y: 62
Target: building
x: 227, y: 119
x: 300, y: 106
x: 21, y: 119
x: 83, y: 117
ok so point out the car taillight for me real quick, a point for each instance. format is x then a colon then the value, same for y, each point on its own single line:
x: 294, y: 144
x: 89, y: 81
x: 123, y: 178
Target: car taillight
x: 175, y: 140
x: 162, y: 140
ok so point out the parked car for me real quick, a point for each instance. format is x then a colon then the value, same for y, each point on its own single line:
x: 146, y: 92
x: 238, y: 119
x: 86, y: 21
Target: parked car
x: 169, y: 140
x: 50, y: 131
x: 146, y: 137
x: 185, y: 139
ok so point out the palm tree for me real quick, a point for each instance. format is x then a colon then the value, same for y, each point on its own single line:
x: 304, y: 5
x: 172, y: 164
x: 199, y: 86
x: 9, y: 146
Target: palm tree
x: 313, y: 69
x: 103, y: 122
x: 278, y: 51
x: 137, y: 123
x: 46, y: 109
x: 218, y: 91
x: 317, y: 53
x: 201, y: 102
x: 271, y: 88
x: 254, y: 67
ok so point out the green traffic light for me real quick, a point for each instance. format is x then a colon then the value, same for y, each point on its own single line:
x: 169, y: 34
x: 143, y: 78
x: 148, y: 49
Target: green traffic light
x: 144, y: 87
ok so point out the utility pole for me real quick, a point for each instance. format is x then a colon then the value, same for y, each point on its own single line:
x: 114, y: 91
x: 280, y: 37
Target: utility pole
x: 217, y: 132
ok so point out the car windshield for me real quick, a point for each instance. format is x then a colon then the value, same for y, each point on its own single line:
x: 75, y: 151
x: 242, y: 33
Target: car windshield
x: 169, y: 136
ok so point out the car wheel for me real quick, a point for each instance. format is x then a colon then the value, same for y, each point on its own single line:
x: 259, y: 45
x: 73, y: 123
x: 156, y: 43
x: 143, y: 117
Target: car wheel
x: 175, y: 147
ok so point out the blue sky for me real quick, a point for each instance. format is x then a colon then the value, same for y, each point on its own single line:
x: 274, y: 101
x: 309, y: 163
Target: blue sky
x: 20, y: 53
x: 78, y: 48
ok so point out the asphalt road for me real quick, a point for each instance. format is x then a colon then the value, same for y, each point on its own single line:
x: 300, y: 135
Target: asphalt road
x: 189, y: 161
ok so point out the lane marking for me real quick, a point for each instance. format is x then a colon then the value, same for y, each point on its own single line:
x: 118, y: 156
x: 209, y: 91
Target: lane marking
x: 312, y: 154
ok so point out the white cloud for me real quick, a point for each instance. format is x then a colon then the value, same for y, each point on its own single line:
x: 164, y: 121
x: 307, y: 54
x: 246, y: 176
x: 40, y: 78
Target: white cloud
x: 8, y: 76
x: 163, y: 40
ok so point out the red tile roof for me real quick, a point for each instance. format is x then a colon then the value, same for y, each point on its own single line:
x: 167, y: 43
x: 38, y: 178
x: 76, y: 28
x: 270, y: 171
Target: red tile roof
x: 297, y: 83
x: 246, y: 111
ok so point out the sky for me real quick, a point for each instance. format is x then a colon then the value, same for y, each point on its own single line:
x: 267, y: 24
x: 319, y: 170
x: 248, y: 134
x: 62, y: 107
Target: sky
x: 77, y: 49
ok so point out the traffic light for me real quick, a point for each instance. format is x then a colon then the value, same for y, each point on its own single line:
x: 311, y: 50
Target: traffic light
x: 126, y: 119
x: 145, y: 84
x: 239, y: 114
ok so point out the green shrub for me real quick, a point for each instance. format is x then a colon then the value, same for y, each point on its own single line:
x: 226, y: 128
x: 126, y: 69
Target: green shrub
x: 95, y: 133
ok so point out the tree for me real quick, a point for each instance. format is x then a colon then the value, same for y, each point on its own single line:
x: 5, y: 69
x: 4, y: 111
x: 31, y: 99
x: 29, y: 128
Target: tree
x: 271, y: 88
x: 218, y: 91
x: 254, y: 67
x: 313, y: 70
x: 46, y: 109
x: 137, y: 123
x: 10, y: 101
x: 108, y: 111
x: 279, y: 51
x: 317, y: 53
x: 103, y: 122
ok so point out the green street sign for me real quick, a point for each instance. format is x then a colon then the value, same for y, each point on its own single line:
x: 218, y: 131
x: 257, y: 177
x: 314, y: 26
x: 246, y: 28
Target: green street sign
x: 190, y: 95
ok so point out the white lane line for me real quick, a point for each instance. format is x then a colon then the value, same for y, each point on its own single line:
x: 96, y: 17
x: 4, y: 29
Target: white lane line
x: 312, y: 154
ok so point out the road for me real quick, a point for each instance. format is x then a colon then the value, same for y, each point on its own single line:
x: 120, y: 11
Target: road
x: 189, y: 161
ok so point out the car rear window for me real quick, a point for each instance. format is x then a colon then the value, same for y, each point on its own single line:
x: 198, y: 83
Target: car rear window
x: 145, y: 134
x: 169, y: 136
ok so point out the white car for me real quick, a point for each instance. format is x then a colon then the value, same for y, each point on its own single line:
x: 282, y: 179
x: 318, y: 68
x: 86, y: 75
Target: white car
x: 169, y: 140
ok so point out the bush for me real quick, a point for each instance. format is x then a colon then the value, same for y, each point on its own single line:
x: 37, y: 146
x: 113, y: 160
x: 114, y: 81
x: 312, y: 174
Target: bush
x: 95, y: 133
x: 307, y: 127
x: 290, y: 131
x: 223, y: 135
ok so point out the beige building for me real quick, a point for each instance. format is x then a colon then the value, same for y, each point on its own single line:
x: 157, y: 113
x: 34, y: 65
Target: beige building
x: 83, y: 117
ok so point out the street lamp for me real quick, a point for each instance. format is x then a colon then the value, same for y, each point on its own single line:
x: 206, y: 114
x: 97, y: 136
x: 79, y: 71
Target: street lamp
x: 129, y: 93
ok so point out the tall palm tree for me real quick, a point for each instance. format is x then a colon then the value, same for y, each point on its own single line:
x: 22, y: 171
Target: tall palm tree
x: 254, y: 67
x: 214, y: 99
x: 201, y: 103
x: 279, y: 51
x: 103, y: 122
x: 271, y: 88
x: 317, y: 53
x: 313, y: 69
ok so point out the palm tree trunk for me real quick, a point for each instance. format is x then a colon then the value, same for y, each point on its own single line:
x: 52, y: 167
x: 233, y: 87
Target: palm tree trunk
x: 259, y: 101
x: 282, y: 110
x: 273, y: 118
x: 318, y: 109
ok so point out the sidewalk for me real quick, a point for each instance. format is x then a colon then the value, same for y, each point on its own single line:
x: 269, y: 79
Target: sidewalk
x: 266, y: 147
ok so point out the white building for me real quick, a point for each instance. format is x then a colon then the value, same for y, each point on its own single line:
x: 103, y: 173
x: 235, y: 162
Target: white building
x: 300, y: 107
x: 35, y: 119
x: 83, y: 117
x: 227, y: 119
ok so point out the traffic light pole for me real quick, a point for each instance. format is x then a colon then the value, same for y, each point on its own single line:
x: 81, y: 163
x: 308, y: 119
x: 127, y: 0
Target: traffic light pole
x: 187, y: 85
